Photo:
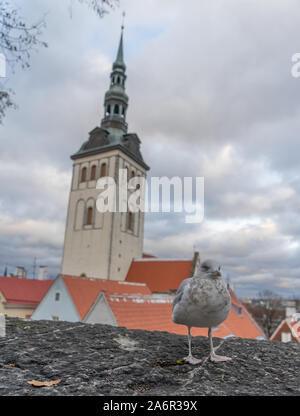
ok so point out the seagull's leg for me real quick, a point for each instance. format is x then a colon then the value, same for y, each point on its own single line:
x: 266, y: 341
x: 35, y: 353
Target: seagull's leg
x: 190, y: 359
x: 213, y: 356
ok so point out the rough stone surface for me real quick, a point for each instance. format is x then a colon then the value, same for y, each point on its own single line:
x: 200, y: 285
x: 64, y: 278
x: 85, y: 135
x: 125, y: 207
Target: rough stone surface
x: 101, y: 360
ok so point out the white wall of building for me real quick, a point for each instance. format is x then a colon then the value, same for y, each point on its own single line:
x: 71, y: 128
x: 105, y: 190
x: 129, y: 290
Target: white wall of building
x: 52, y: 306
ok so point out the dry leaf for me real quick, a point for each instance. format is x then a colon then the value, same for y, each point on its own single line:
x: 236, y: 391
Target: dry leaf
x: 11, y: 366
x: 43, y: 383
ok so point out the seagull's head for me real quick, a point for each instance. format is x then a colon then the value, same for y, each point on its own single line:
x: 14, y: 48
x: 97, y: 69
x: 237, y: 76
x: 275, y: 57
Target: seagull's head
x: 211, y: 268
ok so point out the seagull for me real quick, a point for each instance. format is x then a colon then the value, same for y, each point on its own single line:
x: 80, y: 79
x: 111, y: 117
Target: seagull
x: 202, y: 301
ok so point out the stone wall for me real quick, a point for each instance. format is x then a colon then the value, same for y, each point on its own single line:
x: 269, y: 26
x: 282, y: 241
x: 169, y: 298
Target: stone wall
x: 103, y: 360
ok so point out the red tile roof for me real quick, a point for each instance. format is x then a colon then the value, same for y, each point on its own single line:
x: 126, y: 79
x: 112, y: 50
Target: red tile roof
x: 134, y: 306
x: 155, y: 314
x: 84, y: 291
x: 20, y: 290
x: 159, y: 275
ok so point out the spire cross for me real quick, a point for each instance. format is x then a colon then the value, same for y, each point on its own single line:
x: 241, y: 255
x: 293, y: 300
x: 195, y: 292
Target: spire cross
x: 123, y: 14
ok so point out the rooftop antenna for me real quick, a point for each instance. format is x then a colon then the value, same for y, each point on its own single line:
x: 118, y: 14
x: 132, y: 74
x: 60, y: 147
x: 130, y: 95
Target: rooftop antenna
x: 34, y: 267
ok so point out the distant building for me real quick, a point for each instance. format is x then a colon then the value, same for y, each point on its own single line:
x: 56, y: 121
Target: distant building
x: 288, y: 330
x: 19, y: 297
x: 21, y: 272
x: 74, y: 299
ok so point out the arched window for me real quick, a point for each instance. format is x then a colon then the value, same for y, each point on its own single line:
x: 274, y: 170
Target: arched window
x: 89, y: 218
x: 116, y: 111
x: 132, y: 174
x: 118, y: 80
x: 130, y: 221
x: 108, y: 110
x: 103, y: 170
x: 93, y: 173
x: 83, y: 174
x: 123, y: 112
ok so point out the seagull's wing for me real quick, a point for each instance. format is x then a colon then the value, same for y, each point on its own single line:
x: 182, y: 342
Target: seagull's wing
x: 180, y: 291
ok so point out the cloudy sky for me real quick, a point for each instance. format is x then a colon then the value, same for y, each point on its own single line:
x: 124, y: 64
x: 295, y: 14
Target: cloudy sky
x: 211, y: 94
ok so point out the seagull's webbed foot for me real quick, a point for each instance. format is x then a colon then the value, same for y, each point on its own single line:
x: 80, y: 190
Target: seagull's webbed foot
x: 192, y: 360
x: 218, y: 358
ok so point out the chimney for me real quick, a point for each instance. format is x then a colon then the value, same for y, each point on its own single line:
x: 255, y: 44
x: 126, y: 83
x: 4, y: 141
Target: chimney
x: 42, y: 274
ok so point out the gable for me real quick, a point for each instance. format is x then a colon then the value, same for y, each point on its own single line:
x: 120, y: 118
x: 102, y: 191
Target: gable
x: 101, y: 313
x: 63, y: 308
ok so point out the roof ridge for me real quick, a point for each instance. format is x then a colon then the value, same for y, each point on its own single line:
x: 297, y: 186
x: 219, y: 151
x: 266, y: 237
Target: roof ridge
x: 157, y: 259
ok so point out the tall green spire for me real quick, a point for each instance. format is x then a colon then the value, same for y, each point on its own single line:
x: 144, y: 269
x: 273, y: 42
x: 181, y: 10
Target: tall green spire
x: 116, y: 100
x: 119, y: 62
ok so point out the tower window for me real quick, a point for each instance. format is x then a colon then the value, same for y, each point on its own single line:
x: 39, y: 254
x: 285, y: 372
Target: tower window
x: 103, y: 170
x: 123, y: 112
x: 108, y: 110
x: 93, y: 173
x: 116, y: 109
x: 83, y: 174
x: 130, y: 221
x: 89, y: 220
x: 118, y: 80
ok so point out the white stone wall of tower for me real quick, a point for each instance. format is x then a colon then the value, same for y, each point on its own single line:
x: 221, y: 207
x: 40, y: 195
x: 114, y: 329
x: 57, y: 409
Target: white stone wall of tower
x: 105, y: 249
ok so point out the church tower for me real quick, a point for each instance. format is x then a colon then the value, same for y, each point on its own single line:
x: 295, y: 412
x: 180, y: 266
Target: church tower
x: 97, y: 244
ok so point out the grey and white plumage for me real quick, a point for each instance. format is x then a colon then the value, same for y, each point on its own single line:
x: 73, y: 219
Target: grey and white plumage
x: 202, y: 301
